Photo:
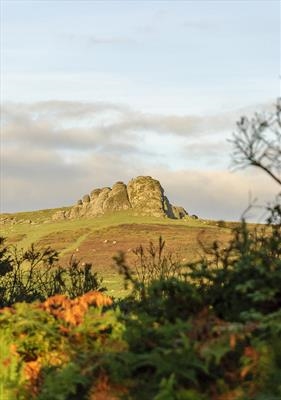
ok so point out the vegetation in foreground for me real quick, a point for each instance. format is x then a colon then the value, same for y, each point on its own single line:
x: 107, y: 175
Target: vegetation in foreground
x: 206, y: 330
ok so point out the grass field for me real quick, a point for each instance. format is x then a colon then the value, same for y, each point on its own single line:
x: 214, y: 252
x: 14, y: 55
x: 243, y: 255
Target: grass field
x: 98, y: 239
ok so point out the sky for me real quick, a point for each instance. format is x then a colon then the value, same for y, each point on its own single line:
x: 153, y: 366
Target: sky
x: 93, y: 92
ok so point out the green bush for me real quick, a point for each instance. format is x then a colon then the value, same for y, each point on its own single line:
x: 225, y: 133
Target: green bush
x: 243, y: 280
x: 34, y: 274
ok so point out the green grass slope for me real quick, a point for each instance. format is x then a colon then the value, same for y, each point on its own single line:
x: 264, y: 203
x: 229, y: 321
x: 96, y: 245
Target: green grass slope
x: 98, y: 239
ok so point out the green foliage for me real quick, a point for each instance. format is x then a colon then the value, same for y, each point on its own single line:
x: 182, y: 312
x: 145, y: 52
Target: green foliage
x: 168, y: 391
x: 45, y: 356
x: 10, y: 370
x: 153, y: 263
x: 61, y: 383
x: 164, y: 350
x: 5, y: 259
x: 33, y: 274
x: 243, y: 280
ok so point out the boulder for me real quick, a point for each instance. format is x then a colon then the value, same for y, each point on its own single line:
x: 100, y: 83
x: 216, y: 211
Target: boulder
x: 75, y: 211
x: 117, y: 199
x: 179, y: 212
x: 86, y: 198
x: 57, y: 216
x: 97, y: 207
x: 146, y: 196
x: 95, y: 193
x: 168, y: 208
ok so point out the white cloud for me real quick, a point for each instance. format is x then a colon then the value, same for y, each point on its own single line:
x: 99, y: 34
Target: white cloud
x: 54, y: 152
x: 218, y: 194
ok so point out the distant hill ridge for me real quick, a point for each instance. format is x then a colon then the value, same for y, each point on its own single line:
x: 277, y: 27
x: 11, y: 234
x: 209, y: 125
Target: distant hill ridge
x: 143, y: 194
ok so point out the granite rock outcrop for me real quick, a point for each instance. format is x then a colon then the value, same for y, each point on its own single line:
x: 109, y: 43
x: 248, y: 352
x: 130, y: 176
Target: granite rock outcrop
x: 143, y: 195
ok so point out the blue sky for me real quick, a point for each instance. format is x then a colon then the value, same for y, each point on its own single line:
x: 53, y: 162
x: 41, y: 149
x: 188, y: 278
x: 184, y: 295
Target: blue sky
x: 159, y: 86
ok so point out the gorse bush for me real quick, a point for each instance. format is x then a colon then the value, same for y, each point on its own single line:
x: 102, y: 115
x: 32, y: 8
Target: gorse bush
x: 34, y: 274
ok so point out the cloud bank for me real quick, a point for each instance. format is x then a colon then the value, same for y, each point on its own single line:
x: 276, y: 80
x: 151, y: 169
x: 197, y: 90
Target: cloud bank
x: 52, y: 152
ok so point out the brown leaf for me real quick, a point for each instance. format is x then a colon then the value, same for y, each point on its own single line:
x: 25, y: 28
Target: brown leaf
x: 97, y: 298
x: 251, y: 353
x: 232, y: 341
x: 73, y: 311
x: 32, y: 371
x: 103, y: 389
x: 245, y: 370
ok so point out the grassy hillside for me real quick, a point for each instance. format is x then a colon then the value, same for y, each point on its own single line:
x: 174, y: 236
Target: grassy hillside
x: 98, y: 239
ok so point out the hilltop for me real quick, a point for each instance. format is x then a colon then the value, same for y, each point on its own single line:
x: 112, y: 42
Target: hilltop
x: 114, y: 219
x: 143, y: 194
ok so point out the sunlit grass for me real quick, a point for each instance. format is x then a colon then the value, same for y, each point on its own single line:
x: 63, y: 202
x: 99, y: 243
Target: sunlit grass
x: 66, y: 236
